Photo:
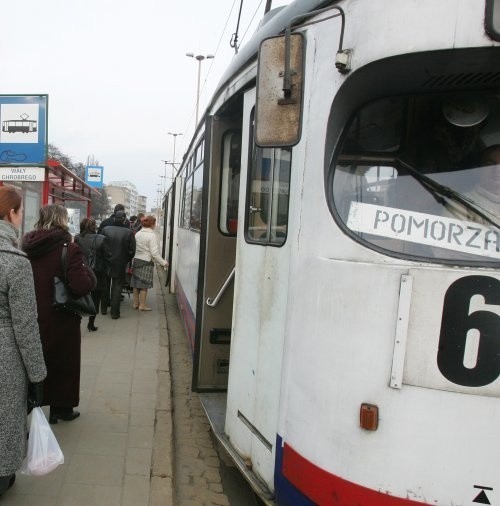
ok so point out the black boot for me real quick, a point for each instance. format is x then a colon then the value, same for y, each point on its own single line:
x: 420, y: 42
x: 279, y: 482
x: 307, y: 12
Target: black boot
x: 6, y: 482
x: 90, y: 326
x: 59, y: 413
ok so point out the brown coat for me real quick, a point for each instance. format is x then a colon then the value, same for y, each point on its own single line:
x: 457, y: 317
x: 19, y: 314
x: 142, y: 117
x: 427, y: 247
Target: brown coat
x: 59, y: 332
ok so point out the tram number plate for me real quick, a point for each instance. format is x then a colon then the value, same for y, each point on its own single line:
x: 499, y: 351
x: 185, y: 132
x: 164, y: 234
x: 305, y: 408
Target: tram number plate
x: 459, y: 361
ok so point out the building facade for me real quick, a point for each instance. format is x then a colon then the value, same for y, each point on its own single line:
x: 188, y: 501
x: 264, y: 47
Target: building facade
x: 142, y: 202
x: 123, y: 192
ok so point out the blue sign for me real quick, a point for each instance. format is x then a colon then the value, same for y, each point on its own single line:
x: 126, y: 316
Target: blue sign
x: 94, y: 175
x: 23, y: 129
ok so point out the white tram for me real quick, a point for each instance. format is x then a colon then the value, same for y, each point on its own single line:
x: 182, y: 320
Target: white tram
x: 333, y: 234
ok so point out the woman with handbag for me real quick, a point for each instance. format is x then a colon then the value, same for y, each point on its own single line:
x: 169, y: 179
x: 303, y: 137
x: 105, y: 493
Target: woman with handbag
x: 21, y: 356
x: 146, y: 255
x: 92, y: 245
x: 59, y: 331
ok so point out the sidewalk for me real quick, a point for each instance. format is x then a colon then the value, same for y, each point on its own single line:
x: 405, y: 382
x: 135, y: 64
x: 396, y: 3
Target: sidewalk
x: 118, y: 452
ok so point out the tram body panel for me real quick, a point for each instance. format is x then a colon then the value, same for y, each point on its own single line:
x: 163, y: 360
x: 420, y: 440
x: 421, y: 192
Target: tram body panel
x: 377, y: 36
x: 420, y: 420
x: 187, y: 278
x: 172, y: 246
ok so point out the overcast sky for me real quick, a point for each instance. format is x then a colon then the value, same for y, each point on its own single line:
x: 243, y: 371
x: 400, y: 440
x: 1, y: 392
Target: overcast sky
x: 117, y: 74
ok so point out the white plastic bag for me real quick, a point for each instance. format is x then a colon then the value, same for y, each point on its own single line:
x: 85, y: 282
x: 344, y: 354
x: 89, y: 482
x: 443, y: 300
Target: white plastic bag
x: 44, y: 453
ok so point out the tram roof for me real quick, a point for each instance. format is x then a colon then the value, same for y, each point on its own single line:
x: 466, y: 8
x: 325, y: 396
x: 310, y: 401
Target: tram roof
x: 271, y: 25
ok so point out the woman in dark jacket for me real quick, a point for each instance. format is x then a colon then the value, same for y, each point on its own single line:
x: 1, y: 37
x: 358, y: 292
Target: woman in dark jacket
x: 91, y: 244
x: 59, y: 331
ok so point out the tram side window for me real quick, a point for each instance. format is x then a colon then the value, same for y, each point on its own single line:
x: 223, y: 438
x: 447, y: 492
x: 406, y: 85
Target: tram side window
x: 419, y: 176
x: 186, y: 213
x: 195, y: 220
x: 230, y: 182
x: 267, y: 196
x: 190, y: 215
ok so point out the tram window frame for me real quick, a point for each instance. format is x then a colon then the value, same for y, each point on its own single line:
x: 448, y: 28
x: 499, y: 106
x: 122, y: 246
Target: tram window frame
x: 274, y: 234
x: 420, y: 156
x: 227, y: 184
x: 196, y: 196
x: 186, y: 199
x: 190, y: 168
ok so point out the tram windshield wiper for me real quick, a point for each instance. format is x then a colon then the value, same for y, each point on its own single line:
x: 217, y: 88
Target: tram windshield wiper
x: 438, y: 191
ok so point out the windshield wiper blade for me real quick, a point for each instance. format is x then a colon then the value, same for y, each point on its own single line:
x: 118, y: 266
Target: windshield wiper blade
x: 438, y: 191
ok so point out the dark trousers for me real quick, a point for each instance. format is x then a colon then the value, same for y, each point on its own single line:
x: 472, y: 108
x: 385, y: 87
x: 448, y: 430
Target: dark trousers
x: 105, y: 297
x: 112, y: 295
x: 96, y: 299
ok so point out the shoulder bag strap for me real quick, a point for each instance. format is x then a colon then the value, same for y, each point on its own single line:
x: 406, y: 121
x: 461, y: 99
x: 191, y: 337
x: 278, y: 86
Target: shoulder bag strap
x: 63, y: 261
x: 93, y: 250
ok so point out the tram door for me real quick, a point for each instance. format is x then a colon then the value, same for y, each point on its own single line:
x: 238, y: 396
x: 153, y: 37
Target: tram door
x: 217, y: 249
x: 261, y: 283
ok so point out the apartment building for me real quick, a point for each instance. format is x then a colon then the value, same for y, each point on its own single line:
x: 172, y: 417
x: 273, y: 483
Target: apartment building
x: 123, y: 192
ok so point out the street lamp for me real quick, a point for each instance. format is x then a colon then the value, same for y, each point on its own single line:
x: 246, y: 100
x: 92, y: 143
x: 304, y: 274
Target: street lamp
x: 164, y: 177
x: 158, y: 198
x: 174, y: 134
x: 200, y: 58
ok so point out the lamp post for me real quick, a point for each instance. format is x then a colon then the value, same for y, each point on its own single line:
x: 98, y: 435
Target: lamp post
x: 200, y: 58
x: 158, y: 199
x: 174, y: 134
x: 172, y: 177
x: 164, y: 177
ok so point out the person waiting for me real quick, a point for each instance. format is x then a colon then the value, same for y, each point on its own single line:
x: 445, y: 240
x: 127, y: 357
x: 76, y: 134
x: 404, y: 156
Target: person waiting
x: 119, y: 248
x: 147, y: 254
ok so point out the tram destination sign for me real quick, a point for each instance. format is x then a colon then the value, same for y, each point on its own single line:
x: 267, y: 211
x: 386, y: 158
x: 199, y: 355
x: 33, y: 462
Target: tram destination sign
x: 421, y: 228
x: 23, y: 129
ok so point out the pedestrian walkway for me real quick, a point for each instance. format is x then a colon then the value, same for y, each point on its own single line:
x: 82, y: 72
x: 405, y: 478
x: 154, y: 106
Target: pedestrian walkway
x: 142, y: 438
x: 118, y: 452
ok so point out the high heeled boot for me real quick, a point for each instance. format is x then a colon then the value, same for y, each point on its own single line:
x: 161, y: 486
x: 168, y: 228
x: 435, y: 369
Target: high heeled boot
x: 136, y: 298
x: 142, y: 301
x: 6, y: 482
x: 90, y: 326
x: 62, y: 413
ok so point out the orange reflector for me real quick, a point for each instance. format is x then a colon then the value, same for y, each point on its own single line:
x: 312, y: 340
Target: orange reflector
x: 368, y: 416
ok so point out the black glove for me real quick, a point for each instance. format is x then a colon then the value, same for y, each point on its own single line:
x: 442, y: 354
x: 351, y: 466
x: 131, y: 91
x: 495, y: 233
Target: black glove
x: 35, y: 395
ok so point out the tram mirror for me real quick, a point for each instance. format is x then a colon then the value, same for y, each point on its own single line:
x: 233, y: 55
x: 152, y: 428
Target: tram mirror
x: 278, y: 113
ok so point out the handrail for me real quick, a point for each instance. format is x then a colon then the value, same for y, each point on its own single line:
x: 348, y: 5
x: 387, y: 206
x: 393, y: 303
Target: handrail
x: 214, y: 302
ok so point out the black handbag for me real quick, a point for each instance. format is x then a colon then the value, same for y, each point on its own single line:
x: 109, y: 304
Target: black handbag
x: 64, y: 300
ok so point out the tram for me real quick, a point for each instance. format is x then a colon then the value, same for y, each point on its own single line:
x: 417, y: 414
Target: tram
x: 334, y: 243
x: 23, y: 125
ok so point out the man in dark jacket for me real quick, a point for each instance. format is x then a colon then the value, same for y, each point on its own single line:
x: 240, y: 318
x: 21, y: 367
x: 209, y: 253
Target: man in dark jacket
x: 119, y: 244
x: 111, y: 219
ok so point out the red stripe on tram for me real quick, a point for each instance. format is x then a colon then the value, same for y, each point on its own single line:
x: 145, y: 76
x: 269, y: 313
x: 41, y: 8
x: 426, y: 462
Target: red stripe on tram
x: 326, y: 489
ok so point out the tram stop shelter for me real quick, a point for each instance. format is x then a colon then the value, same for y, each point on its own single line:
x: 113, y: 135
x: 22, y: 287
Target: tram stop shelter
x: 52, y: 184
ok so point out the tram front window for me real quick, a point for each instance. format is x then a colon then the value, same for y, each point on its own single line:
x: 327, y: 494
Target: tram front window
x: 419, y: 176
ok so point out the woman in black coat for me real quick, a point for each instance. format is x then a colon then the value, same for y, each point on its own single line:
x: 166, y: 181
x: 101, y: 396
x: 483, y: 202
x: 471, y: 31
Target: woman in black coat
x: 91, y: 244
x: 59, y: 331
